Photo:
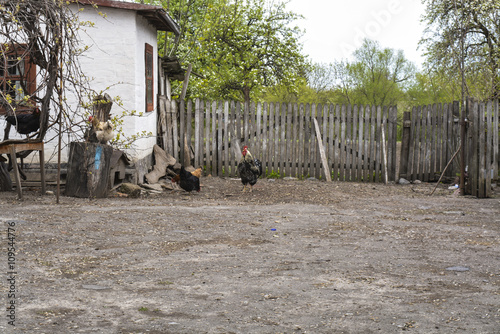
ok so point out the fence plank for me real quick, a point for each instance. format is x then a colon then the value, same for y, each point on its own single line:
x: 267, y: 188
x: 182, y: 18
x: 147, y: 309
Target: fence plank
x: 496, y: 141
x: 342, y: 147
x: 449, y: 138
x: 366, y: 162
x: 208, y: 126
x: 189, y: 130
x: 354, y: 144
x: 220, y: 143
x: 289, y: 137
x: 272, y: 156
x: 214, y: 139
x: 300, y: 153
x: 482, y: 153
x: 439, y: 139
x: 325, y: 136
x: 225, y: 138
x: 392, y: 142
x: 233, y: 151
x: 311, y: 141
x: 373, y: 150
x: 433, y: 141
x: 359, y: 171
x: 238, y: 125
x: 348, y: 143
x: 256, y: 111
x: 473, y: 173
x: 295, y: 138
x: 174, y: 112
x: 489, y: 148
x: 316, y: 154
x: 277, y: 160
x: 428, y: 144
x: 197, y: 127
x: 378, y: 139
x: 265, y: 153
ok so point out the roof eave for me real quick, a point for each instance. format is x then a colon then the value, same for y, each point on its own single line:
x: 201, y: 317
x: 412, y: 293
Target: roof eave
x: 155, y: 15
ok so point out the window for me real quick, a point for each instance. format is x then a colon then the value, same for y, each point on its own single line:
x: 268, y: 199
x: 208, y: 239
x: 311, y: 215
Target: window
x: 17, y: 76
x: 149, y: 78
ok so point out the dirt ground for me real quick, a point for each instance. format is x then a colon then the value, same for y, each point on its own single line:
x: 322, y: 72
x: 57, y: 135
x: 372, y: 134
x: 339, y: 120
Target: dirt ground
x: 290, y: 257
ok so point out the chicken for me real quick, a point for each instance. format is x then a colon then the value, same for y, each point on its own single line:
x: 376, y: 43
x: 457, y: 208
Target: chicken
x: 26, y: 123
x: 196, y: 172
x: 188, y: 181
x: 103, y: 130
x: 249, y: 169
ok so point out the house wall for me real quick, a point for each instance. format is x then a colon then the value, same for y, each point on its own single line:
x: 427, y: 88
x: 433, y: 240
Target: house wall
x: 115, y: 65
x: 116, y: 60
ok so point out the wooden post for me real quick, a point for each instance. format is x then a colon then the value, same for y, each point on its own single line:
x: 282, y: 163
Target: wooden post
x: 186, y: 81
x: 322, y: 152
x: 102, y: 107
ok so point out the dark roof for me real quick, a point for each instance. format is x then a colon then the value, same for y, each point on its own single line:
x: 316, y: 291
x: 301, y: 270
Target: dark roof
x: 156, y: 15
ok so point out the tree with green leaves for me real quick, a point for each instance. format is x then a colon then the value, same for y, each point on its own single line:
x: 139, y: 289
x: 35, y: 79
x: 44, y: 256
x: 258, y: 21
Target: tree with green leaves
x: 250, y: 45
x: 377, y: 76
x: 238, y: 47
x: 468, y: 32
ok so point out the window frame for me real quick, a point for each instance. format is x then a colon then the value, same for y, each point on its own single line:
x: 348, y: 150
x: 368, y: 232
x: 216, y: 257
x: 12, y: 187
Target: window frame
x: 149, y: 77
x: 28, y: 76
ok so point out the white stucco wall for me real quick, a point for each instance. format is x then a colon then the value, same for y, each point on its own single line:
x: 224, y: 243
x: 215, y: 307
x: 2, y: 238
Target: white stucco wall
x: 116, y: 60
x: 115, y: 63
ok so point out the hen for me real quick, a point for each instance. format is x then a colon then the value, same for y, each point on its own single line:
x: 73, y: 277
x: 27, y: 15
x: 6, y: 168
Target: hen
x: 26, y: 123
x: 196, y: 172
x: 249, y: 169
x: 103, y: 130
x: 188, y: 181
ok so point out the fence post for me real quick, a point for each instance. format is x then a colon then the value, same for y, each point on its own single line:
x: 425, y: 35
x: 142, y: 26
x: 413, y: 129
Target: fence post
x: 405, y: 146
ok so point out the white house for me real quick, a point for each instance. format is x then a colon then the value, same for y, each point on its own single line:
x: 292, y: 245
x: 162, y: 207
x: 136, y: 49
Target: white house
x: 122, y: 61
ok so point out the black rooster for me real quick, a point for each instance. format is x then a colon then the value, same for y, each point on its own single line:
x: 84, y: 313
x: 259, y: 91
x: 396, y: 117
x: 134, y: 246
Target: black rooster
x: 26, y: 123
x: 188, y: 181
x: 249, y: 169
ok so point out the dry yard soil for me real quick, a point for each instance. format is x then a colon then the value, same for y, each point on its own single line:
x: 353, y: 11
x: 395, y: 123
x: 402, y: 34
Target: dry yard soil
x: 290, y: 257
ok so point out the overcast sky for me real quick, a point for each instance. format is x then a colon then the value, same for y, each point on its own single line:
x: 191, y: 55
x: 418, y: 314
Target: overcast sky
x: 335, y: 28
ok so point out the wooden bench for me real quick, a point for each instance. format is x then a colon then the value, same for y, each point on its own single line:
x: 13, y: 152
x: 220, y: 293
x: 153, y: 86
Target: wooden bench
x: 11, y: 147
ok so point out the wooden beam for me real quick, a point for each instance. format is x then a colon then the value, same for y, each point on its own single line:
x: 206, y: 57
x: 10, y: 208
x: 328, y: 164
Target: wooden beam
x: 186, y: 81
x: 324, y: 160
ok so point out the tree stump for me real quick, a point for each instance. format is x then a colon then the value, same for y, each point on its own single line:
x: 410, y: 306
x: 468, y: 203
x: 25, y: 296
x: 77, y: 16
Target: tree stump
x: 89, y: 166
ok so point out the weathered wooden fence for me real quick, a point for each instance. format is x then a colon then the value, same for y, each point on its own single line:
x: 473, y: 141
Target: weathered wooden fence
x: 283, y: 137
x: 482, y: 143
x: 431, y: 139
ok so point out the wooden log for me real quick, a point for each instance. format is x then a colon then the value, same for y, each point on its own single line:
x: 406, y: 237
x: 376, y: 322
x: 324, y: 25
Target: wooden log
x: 322, y: 152
x: 88, y: 170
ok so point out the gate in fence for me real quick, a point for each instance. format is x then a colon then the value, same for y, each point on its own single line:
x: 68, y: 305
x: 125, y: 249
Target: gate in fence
x: 431, y: 143
x: 482, y: 145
